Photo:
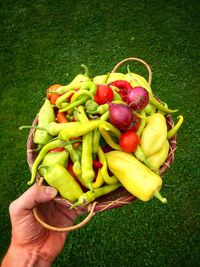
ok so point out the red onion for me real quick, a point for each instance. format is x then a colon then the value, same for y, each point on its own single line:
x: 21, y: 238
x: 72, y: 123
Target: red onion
x: 120, y: 116
x: 138, y: 98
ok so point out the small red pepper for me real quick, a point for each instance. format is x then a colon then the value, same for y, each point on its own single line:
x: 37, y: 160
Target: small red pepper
x: 97, y: 164
x: 124, y: 87
x: 57, y: 149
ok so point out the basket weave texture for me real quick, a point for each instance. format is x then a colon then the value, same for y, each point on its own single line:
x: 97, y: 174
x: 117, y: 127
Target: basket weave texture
x: 120, y: 196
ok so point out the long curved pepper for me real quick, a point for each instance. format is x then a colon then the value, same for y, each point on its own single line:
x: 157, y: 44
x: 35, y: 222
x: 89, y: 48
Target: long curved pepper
x: 80, y: 93
x: 78, y: 129
x: 104, y: 169
x: 104, y: 129
x: 142, y: 122
x: 91, y: 87
x: 174, y: 130
x: 158, y: 105
x: 139, y: 154
x: 41, y: 155
x: 86, y: 157
x: 61, y: 100
x: 99, y: 180
x: 89, y: 196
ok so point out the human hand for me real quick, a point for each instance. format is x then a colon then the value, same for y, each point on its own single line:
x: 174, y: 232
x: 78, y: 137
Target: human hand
x: 30, y: 241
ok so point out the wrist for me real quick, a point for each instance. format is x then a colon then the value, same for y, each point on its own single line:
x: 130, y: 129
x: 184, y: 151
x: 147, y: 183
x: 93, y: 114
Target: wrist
x: 24, y: 258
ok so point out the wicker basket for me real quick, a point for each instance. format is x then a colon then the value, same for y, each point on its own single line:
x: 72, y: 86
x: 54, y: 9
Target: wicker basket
x: 112, y: 200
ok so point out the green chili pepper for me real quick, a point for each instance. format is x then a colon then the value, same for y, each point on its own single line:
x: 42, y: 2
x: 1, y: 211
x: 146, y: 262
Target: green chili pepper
x: 90, y: 196
x: 99, y: 181
x: 86, y: 160
x: 53, y: 158
x: 86, y: 157
x: 67, y: 130
x: 105, y: 116
x: 76, y: 129
x: 58, y: 177
x: 104, y: 129
x: 91, y: 87
x: 97, y: 134
x: 158, y: 105
x: 139, y: 154
x: 41, y: 155
x: 95, y: 141
x: 60, y: 101
x: 104, y: 169
x: 80, y: 93
x: 75, y: 155
x: 142, y: 122
x: 174, y: 130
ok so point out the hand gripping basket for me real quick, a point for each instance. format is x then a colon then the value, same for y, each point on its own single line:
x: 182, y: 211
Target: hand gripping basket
x: 112, y: 200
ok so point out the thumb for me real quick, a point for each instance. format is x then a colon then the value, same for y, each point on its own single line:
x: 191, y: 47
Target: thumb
x: 32, y: 197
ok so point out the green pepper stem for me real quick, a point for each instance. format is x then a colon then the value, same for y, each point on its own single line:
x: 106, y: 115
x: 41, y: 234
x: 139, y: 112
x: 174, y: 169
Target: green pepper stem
x: 107, y: 77
x: 158, y: 105
x: 159, y: 196
x: 85, y: 69
x: 90, y: 187
x: 32, y: 127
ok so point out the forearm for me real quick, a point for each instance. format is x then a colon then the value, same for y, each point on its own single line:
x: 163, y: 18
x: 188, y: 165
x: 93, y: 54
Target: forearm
x: 23, y: 258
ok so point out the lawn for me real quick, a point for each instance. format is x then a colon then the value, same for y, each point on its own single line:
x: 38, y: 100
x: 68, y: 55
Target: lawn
x: 45, y: 42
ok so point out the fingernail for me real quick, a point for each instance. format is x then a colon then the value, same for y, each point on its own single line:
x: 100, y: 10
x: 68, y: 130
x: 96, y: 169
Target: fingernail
x: 50, y: 191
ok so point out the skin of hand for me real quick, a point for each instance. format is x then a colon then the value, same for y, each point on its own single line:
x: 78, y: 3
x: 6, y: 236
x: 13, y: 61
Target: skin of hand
x: 31, y: 243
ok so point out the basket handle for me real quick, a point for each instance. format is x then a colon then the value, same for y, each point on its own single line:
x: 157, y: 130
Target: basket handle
x: 69, y: 228
x: 135, y: 59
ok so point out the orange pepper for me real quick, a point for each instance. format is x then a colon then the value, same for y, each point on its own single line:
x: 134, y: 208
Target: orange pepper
x: 51, y: 96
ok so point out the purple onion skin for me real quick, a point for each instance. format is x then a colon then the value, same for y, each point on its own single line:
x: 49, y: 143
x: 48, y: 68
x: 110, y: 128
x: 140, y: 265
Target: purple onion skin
x: 120, y: 116
x: 138, y: 98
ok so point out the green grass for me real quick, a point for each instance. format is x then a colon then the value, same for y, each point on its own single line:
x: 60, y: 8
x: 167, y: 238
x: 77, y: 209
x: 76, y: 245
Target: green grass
x: 45, y: 42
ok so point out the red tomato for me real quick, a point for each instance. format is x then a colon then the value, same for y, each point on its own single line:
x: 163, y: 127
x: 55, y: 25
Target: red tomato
x: 103, y: 94
x: 135, y: 124
x: 129, y: 141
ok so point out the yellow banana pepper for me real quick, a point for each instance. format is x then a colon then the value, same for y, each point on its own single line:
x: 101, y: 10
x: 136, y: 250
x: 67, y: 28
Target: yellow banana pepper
x: 138, y: 179
x: 105, y: 78
x: 157, y: 159
x: 154, y: 134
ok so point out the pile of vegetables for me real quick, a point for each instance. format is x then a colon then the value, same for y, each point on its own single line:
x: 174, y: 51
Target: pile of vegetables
x: 94, y: 135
